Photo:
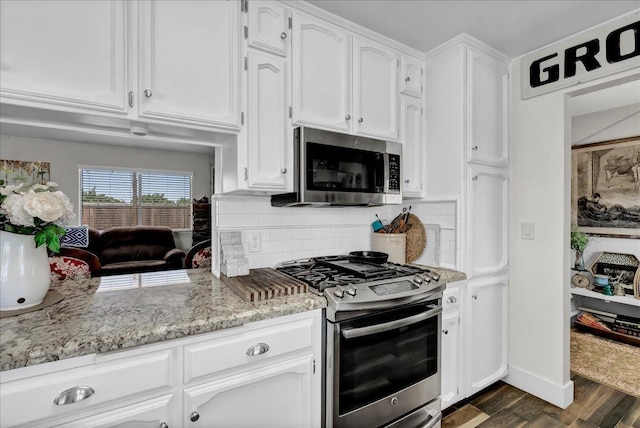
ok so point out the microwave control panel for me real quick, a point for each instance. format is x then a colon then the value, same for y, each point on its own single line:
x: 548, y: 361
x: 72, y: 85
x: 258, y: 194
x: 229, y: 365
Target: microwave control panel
x: 394, y: 173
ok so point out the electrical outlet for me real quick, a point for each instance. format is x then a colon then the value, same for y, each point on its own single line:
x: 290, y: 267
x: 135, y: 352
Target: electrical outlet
x: 255, y: 242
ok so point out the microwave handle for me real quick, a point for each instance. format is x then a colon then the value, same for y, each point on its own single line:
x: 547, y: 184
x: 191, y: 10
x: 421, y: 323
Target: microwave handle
x: 351, y: 333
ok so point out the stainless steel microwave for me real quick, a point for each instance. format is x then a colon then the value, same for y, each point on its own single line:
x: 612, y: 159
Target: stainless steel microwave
x: 333, y: 169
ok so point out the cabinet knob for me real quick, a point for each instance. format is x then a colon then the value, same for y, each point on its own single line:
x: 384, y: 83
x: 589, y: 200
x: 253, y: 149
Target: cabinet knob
x: 148, y: 93
x: 475, y: 297
x: 283, y: 35
x: 347, y: 117
x: 130, y: 98
x: 452, y: 299
x: 257, y: 349
x: 361, y: 120
x: 407, y: 181
x: 445, y: 331
x: 194, y: 416
x: 164, y: 425
x: 474, y: 178
x: 283, y: 170
x: 73, y: 395
x: 407, y: 79
x: 474, y: 148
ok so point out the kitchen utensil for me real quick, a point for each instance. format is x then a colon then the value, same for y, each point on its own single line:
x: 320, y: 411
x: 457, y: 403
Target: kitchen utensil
x: 375, y: 257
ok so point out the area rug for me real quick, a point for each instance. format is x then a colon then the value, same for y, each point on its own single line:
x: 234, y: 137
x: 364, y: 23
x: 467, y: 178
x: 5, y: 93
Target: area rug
x: 606, y: 361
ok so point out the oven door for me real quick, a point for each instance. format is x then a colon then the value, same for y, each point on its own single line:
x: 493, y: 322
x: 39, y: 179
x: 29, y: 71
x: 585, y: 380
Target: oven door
x: 384, y: 365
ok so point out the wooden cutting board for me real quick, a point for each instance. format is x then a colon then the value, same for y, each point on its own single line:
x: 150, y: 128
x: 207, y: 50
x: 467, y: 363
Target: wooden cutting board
x: 263, y: 284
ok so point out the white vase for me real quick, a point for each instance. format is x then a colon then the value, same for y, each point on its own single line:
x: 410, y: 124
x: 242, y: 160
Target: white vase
x: 24, y: 271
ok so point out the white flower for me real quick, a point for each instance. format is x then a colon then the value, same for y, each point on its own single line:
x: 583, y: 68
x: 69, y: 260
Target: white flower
x: 47, y: 206
x: 9, y: 189
x: 12, y: 207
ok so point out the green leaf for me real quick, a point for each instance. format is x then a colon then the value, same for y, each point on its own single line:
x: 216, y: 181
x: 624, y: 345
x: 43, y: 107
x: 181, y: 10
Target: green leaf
x: 41, y: 238
x: 54, y: 244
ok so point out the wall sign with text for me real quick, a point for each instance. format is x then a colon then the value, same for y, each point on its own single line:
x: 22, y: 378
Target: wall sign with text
x: 610, y: 48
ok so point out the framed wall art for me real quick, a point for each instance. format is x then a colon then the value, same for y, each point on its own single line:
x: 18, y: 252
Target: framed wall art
x: 17, y: 171
x: 605, y: 188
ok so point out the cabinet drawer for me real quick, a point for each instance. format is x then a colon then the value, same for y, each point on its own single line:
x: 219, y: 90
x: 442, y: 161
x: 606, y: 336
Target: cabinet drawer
x: 451, y: 298
x: 234, y: 351
x: 31, y: 399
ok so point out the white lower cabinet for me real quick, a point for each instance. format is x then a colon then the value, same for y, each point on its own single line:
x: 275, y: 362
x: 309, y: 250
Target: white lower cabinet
x: 451, y: 373
x: 486, y: 333
x: 474, y: 337
x: 277, y: 396
x: 267, y: 374
x: 155, y: 413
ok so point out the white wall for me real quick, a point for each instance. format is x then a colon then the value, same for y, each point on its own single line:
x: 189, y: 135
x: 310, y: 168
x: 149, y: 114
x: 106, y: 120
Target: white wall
x: 65, y: 157
x: 539, y: 269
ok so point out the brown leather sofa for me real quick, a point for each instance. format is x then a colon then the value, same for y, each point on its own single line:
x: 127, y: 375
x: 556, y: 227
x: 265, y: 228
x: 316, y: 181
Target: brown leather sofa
x: 120, y: 250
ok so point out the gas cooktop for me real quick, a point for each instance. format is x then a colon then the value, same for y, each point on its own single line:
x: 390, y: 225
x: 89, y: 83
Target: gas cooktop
x: 331, y: 271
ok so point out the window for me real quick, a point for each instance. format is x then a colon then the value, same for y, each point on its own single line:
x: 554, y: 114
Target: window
x: 117, y: 197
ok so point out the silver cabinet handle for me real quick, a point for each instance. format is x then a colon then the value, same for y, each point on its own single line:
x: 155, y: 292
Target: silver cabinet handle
x: 474, y: 148
x: 475, y: 297
x: 283, y: 170
x: 148, y: 93
x: 407, y: 79
x: 164, y: 425
x: 474, y: 178
x: 257, y: 349
x: 194, y: 416
x: 347, y: 117
x: 73, y: 395
x: 361, y: 120
x: 283, y: 35
x: 452, y: 299
x: 445, y: 331
x: 130, y: 98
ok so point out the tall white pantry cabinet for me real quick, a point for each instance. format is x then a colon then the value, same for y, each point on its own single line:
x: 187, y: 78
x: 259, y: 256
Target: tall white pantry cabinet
x: 467, y: 160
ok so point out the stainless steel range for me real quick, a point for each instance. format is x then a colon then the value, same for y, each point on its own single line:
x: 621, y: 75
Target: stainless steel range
x: 382, y: 341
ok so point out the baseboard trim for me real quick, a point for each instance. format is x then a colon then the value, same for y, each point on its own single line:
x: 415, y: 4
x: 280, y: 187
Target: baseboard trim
x: 558, y: 395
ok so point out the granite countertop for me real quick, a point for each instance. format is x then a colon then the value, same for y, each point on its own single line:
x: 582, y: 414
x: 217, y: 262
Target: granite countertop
x: 119, y: 312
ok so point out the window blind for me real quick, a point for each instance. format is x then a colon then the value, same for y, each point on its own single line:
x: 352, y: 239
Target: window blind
x: 114, y: 197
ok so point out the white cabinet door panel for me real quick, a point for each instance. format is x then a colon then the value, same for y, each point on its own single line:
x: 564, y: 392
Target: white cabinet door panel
x: 487, y: 91
x: 269, y: 27
x: 268, y: 138
x: 321, y: 74
x: 189, y: 62
x: 411, y: 139
x: 487, y: 218
x: 410, y: 76
x: 375, y: 81
x: 68, y: 53
x: 147, y: 414
x: 274, y: 396
x: 487, y: 333
x: 450, y: 358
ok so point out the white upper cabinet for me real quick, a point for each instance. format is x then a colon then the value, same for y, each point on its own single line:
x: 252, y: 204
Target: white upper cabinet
x: 375, y: 95
x: 269, y: 139
x: 487, y: 92
x: 188, y: 60
x: 268, y: 26
x: 64, y: 53
x: 321, y: 74
x: 411, y: 76
x: 411, y: 139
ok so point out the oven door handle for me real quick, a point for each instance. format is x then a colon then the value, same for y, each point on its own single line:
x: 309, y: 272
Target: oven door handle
x: 351, y: 333
x: 433, y: 420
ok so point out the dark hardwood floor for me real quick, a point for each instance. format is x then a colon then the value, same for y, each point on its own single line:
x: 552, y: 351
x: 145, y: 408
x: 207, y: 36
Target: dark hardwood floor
x: 502, y: 405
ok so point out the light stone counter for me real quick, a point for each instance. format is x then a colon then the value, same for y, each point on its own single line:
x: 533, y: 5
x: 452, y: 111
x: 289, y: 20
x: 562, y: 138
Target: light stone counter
x: 105, y: 314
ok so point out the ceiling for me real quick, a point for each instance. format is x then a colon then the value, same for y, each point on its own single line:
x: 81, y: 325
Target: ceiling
x: 513, y: 27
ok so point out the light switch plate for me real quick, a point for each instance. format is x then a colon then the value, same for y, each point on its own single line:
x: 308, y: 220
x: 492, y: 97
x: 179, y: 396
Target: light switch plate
x: 528, y: 230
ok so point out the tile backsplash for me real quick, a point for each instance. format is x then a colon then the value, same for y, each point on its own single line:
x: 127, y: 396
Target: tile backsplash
x: 299, y: 232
